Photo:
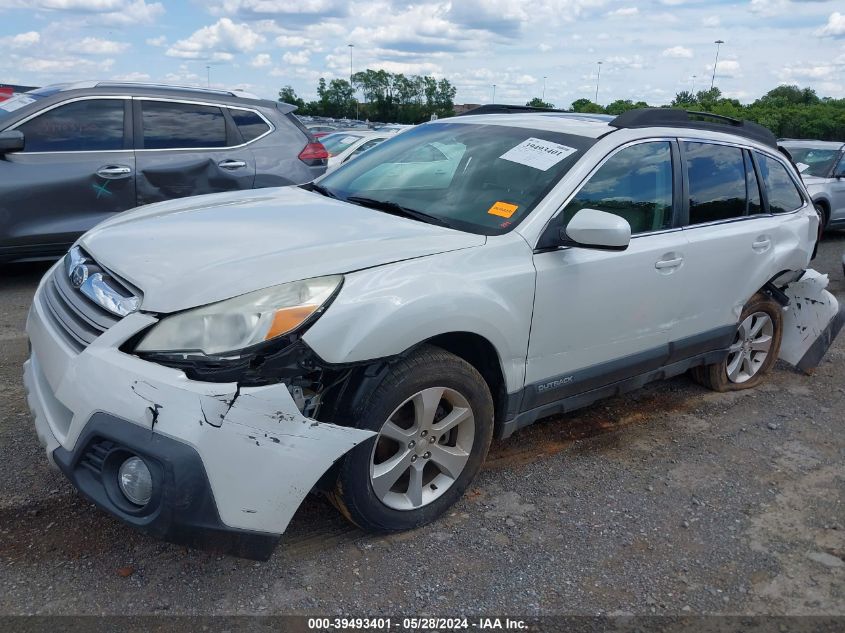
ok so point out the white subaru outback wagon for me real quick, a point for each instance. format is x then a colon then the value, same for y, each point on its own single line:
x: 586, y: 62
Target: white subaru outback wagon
x: 198, y: 366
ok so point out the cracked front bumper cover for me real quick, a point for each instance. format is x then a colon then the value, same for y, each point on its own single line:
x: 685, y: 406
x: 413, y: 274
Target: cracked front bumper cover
x: 260, y: 456
x: 182, y: 509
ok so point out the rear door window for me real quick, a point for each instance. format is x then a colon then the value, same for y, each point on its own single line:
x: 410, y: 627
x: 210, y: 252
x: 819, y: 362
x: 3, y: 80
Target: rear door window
x: 717, y: 182
x: 169, y: 125
x: 250, y: 125
x: 781, y: 190
x: 82, y: 126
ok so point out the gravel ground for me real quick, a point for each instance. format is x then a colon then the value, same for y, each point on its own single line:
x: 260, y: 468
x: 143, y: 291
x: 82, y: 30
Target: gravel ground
x: 670, y: 500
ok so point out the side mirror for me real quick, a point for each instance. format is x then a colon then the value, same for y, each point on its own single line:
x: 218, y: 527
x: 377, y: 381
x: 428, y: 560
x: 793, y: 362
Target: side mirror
x: 11, y: 141
x: 591, y: 228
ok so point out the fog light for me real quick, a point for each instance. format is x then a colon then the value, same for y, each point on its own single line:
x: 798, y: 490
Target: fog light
x: 135, y: 481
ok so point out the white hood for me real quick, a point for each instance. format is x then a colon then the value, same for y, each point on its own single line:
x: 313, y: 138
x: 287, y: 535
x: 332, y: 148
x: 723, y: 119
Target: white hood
x: 195, y: 251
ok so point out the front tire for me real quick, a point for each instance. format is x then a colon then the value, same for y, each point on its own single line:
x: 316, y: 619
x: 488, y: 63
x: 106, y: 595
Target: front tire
x: 434, y: 416
x: 753, y: 352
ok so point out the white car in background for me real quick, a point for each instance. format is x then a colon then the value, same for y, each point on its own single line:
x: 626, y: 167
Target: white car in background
x: 344, y: 146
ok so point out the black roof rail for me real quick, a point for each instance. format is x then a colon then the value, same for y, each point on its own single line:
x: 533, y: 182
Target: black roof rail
x: 501, y: 108
x: 674, y: 117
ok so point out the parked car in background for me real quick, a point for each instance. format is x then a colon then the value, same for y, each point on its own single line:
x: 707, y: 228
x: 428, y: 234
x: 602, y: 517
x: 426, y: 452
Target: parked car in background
x: 72, y: 155
x: 322, y: 130
x: 344, y: 146
x: 371, y: 332
x: 822, y: 167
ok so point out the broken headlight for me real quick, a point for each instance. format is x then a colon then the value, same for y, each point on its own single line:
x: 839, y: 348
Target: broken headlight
x: 241, y: 322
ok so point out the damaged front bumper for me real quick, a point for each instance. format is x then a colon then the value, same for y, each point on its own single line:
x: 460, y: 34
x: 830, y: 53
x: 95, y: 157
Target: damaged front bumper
x: 230, y: 465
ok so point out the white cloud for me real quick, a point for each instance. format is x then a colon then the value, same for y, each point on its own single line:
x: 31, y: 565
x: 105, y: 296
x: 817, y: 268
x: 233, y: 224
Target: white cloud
x: 768, y: 7
x: 624, y: 12
x: 136, y: 76
x: 63, y: 65
x: 96, y: 46
x: 296, y: 59
x: 711, y: 21
x: 161, y: 40
x: 220, y: 39
x: 805, y: 72
x: 260, y: 61
x: 21, y: 40
x: 677, y: 51
x: 727, y: 68
x: 108, y: 12
x: 835, y: 26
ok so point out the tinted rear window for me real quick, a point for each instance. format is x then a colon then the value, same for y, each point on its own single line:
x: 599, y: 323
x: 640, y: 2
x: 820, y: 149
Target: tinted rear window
x: 250, y: 125
x: 781, y: 190
x: 717, y: 182
x: 182, y: 125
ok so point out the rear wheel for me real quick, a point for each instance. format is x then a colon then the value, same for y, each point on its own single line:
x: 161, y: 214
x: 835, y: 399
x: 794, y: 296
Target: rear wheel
x: 433, y: 413
x: 753, y: 352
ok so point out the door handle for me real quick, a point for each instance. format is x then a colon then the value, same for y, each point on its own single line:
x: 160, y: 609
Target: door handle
x: 231, y: 164
x: 669, y: 263
x: 114, y: 171
x: 761, y: 244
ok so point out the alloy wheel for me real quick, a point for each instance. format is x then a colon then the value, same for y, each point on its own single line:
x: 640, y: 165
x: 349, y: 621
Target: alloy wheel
x: 422, y: 448
x: 750, y: 347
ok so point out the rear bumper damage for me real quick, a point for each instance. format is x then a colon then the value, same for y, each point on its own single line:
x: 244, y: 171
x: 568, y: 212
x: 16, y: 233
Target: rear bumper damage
x: 231, y: 464
x: 812, y: 320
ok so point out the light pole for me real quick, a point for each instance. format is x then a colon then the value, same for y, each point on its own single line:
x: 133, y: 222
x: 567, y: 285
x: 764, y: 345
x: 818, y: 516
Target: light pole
x: 718, y: 43
x: 543, y: 98
x: 494, y: 94
x: 693, y: 85
x: 351, y: 46
x: 598, y: 77
x: 208, y: 76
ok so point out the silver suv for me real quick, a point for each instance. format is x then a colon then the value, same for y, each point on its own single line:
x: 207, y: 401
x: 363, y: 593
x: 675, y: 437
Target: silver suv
x: 73, y: 155
x: 822, y: 167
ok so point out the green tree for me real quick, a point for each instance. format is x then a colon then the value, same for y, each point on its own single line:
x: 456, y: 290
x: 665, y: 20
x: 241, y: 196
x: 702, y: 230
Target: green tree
x: 619, y: 106
x: 336, y: 99
x: 685, y: 99
x: 585, y: 105
x: 537, y: 102
x: 288, y: 95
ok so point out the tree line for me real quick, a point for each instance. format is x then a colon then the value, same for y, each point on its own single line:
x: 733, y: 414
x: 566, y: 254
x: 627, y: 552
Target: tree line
x: 788, y: 111
x: 388, y: 97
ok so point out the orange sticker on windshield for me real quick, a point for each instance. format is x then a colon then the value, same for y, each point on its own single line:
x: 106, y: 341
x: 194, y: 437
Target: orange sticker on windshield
x: 503, y: 209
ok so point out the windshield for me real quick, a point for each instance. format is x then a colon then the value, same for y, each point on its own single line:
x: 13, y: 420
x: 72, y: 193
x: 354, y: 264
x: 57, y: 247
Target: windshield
x: 337, y: 143
x: 478, y: 178
x: 819, y: 161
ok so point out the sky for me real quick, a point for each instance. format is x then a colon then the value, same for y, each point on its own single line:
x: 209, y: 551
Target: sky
x: 649, y: 50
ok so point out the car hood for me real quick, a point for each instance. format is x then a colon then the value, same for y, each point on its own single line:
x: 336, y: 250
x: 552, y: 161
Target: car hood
x: 813, y: 180
x: 199, y: 250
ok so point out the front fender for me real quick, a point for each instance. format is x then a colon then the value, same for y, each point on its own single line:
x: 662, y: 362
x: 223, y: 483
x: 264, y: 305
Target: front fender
x: 382, y: 312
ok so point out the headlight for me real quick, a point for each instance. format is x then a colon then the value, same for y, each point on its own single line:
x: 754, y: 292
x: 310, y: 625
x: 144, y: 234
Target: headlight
x: 243, y: 321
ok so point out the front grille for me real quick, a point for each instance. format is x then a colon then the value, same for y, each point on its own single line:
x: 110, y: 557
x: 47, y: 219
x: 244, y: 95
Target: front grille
x: 77, y: 317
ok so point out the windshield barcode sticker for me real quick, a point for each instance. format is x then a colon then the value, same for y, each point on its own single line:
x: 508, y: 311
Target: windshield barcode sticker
x: 537, y: 153
x: 16, y: 102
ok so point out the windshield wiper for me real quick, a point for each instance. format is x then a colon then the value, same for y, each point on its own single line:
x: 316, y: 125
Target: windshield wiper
x: 397, y: 209
x: 321, y: 190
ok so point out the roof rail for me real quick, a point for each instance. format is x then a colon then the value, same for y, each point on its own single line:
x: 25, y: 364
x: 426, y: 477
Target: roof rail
x: 501, y: 108
x: 147, y: 84
x: 674, y: 117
